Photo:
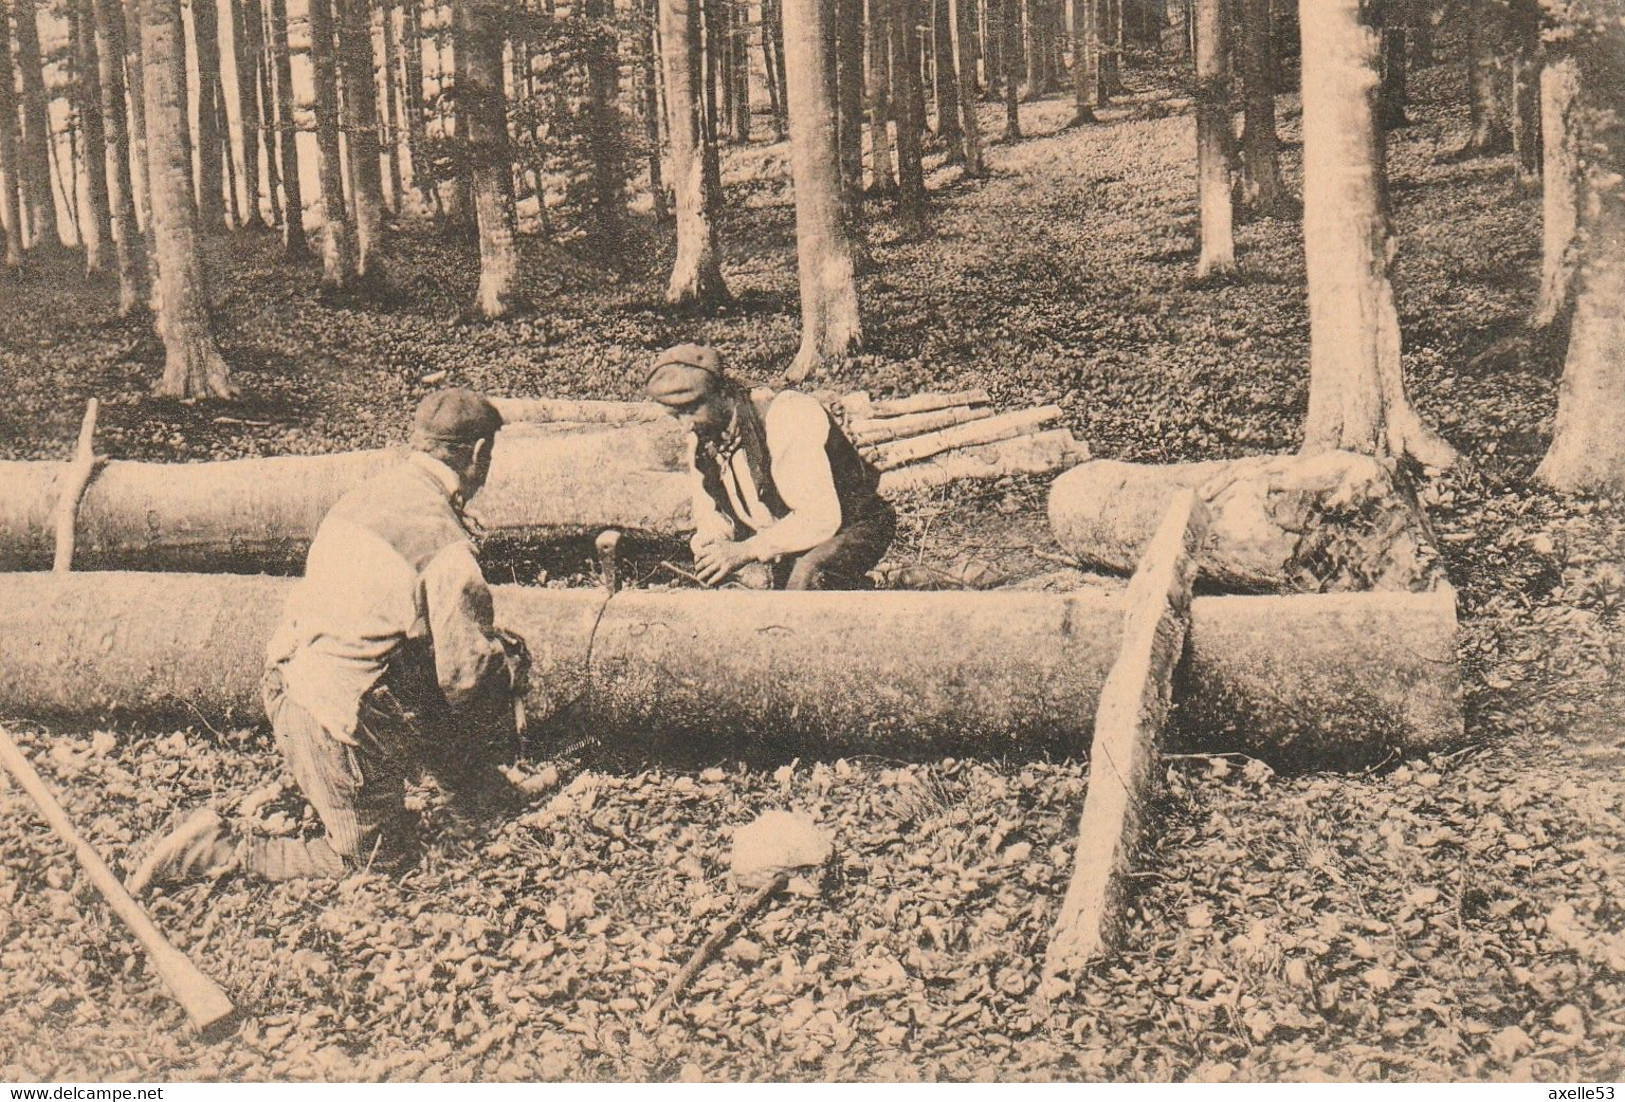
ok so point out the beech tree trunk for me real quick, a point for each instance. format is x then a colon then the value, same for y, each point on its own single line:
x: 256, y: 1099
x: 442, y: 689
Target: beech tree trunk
x: 773, y: 58
x: 849, y: 72
x: 1214, y: 139
x: 649, y: 64
x: 131, y: 252
x: 1262, y: 190
x: 908, y: 107
x: 1487, y: 79
x: 361, y: 134
x: 389, y: 131
x: 10, y: 169
x: 193, y: 367
x: 96, y: 226
x: 1085, y: 61
x: 1357, y: 399
x: 295, y: 245
x: 901, y: 674
x: 485, y: 107
x: 830, y: 323
x: 141, y: 176
x: 411, y: 46
x: 36, y: 153
x: 739, y: 54
x: 1588, y: 439
x: 211, y: 181
x: 1394, y: 96
x: 249, y: 44
x: 267, y: 120
x: 1010, y: 48
x: 608, y: 147
x: 1560, y: 175
x: 1525, y: 64
x: 338, y: 243
x: 945, y: 83
x: 696, y: 276
x: 965, y: 60
x: 879, y: 43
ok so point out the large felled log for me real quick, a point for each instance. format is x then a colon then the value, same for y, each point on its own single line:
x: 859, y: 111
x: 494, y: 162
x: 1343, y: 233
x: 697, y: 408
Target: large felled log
x: 259, y: 514
x: 1129, y: 722
x: 578, y: 410
x: 1340, y: 678
x: 989, y: 430
x: 1039, y: 453
x: 1322, y: 523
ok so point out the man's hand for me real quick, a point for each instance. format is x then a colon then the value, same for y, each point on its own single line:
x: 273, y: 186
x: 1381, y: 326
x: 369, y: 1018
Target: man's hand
x: 715, y: 561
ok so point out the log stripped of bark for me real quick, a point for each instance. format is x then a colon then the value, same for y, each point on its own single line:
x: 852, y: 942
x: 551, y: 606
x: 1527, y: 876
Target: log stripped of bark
x: 1560, y: 202
x: 1040, y: 453
x: 989, y: 430
x: 1129, y: 724
x: 1298, y: 680
x: 878, y: 430
x: 859, y: 405
x: 578, y: 410
x: 1329, y: 522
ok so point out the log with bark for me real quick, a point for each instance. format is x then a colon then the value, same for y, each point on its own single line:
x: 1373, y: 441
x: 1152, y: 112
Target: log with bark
x: 1330, y: 522
x: 1316, y: 680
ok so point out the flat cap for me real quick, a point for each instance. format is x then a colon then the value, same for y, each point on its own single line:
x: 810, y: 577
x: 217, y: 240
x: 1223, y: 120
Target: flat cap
x: 702, y: 356
x: 455, y: 416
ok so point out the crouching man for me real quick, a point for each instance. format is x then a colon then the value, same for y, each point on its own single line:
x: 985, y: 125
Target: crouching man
x: 776, y: 483
x: 386, y: 662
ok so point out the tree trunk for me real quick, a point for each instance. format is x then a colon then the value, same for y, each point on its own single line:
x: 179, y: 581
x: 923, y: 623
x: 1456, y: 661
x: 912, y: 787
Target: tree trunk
x: 390, y: 128
x: 361, y: 134
x: 36, y: 158
x: 267, y: 118
x: 141, y: 177
x: 1335, y: 522
x: 945, y: 84
x: 247, y: 23
x: 295, y: 245
x: 965, y: 60
x: 1487, y: 82
x: 228, y: 162
x: 1010, y: 48
x: 192, y: 364
x: 830, y: 323
x: 338, y: 247
x: 108, y: 20
x: 1525, y: 105
x: 739, y: 51
x: 1357, y: 399
x: 1085, y: 61
x: 1214, y: 139
x: 849, y: 112
x: 696, y: 276
x: 10, y: 168
x: 884, y: 180
x: 908, y: 107
x: 1262, y: 190
x: 411, y: 46
x: 1111, y: 63
x: 1394, y: 96
x: 1588, y: 439
x: 1560, y: 172
x: 607, y: 145
x: 211, y: 185
x: 96, y: 226
x: 773, y: 61
x: 917, y: 675
x: 485, y: 107
x: 649, y: 54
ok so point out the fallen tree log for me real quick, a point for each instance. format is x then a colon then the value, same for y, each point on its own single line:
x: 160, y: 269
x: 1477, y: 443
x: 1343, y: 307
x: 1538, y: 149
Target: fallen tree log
x: 1332, y: 522
x: 578, y: 410
x: 1040, y: 453
x: 989, y: 430
x: 1341, y: 679
x: 878, y: 430
x: 546, y: 482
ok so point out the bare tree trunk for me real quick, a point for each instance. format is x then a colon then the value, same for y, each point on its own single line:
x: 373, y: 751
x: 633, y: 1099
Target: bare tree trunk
x: 97, y: 223
x: 965, y: 59
x: 908, y: 107
x: 1526, y: 66
x: 484, y: 106
x: 411, y: 47
x: 1262, y: 189
x: 1560, y: 171
x: 1357, y: 399
x: 211, y: 186
x: 945, y: 85
x: 773, y: 60
x: 1487, y: 80
x: 970, y: 46
x: 830, y: 323
x: 192, y: 364
x: 246, y: 24
x: 649, y: 54
x: 880, y: 50
x: 338, y: 247
x: 267, y: 116
x: 1111, y: 61
x: 136, y: 82
x: 739, y: 52
x: 849, y: 111
x: 227, y: 161
x: 1214, y: 139
x: 696, y: 277
x: 1085, y: 61
x: 295, y: 245
x: 390, y: 129
x: 10, y: 169
x: 36, y: 159
x: 1010, y: 48
x: 361, y: 132
x: 993, y: 49
x: 108, y: 21
x: 1394, y: 96
x: 608, y: 147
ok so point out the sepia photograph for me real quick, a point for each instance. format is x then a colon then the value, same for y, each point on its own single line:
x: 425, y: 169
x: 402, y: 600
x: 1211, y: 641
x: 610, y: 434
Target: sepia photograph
x: 812, y: 541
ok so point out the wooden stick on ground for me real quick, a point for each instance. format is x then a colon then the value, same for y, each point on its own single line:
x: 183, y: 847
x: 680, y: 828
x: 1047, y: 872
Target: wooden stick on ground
x: 721, y: 931
x: 75, y: 477
x: 203, y: 1000
x: 989, y: 430
x: 859, y: 405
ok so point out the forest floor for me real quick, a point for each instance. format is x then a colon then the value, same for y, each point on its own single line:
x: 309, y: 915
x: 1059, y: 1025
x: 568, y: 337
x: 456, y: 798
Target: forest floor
x: 1454, y: 916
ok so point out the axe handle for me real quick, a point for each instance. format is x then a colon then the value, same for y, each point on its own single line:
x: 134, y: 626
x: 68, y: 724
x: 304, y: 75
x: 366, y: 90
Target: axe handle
x: 721, y: 931
x: 202, y: 999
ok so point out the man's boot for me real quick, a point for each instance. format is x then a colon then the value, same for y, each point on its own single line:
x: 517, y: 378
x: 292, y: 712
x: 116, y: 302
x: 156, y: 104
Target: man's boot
x: 197, y: 848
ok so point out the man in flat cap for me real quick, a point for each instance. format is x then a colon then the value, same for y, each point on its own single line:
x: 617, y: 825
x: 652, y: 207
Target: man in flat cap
x: 386, y: 662
x: 775, y: 482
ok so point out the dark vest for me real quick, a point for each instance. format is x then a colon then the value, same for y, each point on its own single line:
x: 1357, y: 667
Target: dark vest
x: 856, y: 480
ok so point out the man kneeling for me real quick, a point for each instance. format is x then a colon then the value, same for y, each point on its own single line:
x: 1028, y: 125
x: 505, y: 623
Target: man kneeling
x: 781, y: 469
x: 387, y: 662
